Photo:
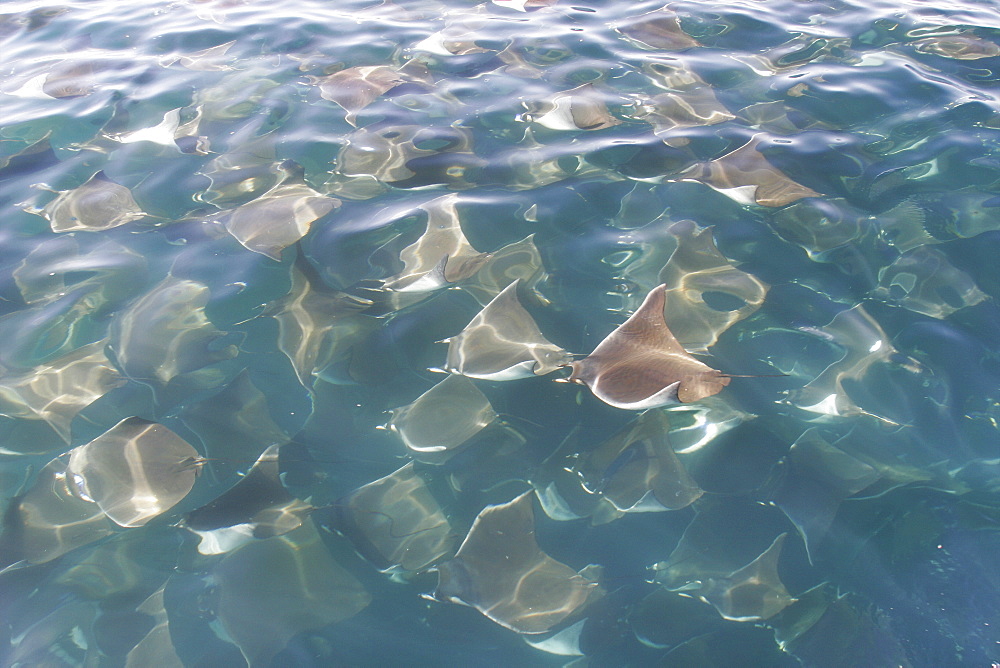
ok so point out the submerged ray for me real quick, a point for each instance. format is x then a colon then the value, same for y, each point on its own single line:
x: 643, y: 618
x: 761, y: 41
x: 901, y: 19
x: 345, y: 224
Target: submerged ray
x: 659, y: 30
x: 637, y: 470
x: 524, y: 5
x: 453, y: 40
x: 582, y: 108
x: 98, y: 204
x: 246, y: 170
x: 696, y: 269
x: 64, y: 634
x: 165, y: 333
x: 726, y: 534
x: 819, y: 225
x: 695, y: 107
x: 641, y: 365
x: 238, y: 94
x: 125, y: 565
x: 356, y: 87
x: 864, y: 343
x: 408, y: 154
x: 529, y: 164
x: 442, y: 255
x: 46, y: 331
x: 778, y: 117
x: 29, y: 150
x: 135, y: 471
x: 503, y: 343
x: 672, y: 73
x: 694, y: 426
x: 206, y: 60
x: 156, y: 647
x: 444, y: 417
x: 753, y: 592
x: 516, y: 261
x: 51, y: 518
x: 317, y: 327
x: 904, y: 226
x: 960, y: 46
x: 257, y: 506
x: 501, y: 571
x: 817, y: 477
x: 57, y: 391
x: 396, y: 523
x: 108, y: 271
x: 745, y: 176
x: 826, y: 628
x: 925, y: 281
x: 666, y: 619
x: 234, y: 425
x: 271, y: 590
x: 278, y: 218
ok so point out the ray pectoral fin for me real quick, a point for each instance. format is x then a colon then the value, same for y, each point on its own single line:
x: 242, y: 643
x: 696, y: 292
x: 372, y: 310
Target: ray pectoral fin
x: 667, y: 395
x: 432, y: 280
x: 702, y: 386
x: 503, y: 342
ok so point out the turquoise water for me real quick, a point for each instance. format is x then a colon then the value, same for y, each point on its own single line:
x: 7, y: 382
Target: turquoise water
x: 237, y: 232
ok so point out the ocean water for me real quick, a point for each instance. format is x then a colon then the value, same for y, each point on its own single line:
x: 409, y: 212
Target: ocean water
x: 243, y: 244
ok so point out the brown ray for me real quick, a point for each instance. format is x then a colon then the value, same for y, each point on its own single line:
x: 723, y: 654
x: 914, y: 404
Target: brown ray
x: 745, y: 176
x: 641, y: 365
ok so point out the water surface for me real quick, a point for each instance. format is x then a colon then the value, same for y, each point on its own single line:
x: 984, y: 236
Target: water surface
x: 223, y: 228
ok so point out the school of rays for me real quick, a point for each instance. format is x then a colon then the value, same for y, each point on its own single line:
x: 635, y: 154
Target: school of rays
x: 365, y: 377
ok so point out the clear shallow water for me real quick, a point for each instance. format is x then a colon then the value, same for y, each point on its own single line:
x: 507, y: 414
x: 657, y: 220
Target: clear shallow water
x: 214, y: 238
